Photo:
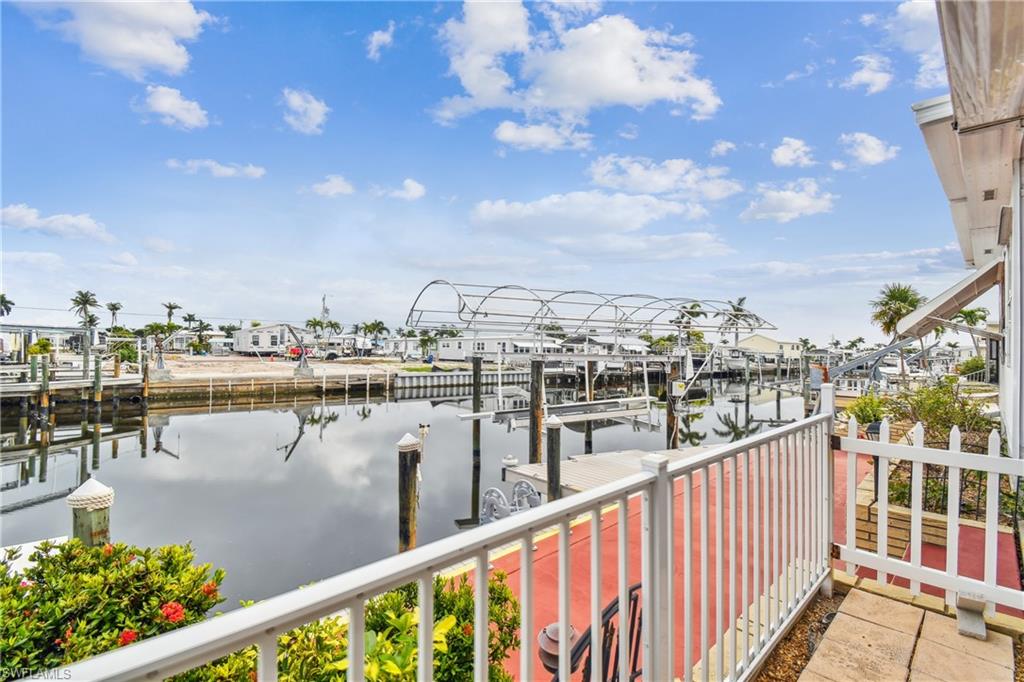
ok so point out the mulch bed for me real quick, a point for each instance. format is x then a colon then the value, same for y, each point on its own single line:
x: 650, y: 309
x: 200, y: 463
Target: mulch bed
x: 1018, y: 661
x: 793, y: 653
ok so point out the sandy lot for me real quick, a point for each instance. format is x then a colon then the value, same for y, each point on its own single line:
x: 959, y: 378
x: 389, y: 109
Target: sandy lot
x: 238, y: 366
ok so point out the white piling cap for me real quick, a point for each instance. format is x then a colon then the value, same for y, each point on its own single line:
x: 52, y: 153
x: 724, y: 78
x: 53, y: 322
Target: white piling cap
x: 408, y: 443
x: 553, y: 422
x: 91, y: 495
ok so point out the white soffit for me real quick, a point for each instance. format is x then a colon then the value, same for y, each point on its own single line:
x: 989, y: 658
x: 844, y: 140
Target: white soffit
x: 947, y: 304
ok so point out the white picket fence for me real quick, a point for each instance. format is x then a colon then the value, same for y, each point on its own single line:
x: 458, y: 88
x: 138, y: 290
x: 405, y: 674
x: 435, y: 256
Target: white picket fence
x: 950, y: 578
x: 771, y: 535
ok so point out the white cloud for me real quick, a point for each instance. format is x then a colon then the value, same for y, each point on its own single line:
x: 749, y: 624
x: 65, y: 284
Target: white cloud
x: 681, y: 178
x: 125, y: 258
x: 82, y: 225
x: 875, y: 73
x: 609, y: 61
x: 217, y: 169
x: 378, y: 40
x: 722, y: 147
x: 788, y: 201
x: 36, y: 259
x: 792, y: 152
x: 587, y: 213
x: 543, y: 136
x: 173, y: 109
x: 332, y: 186
x: 130, y: 37
x: 410, y: 191
x: 837, y: 165
x: 915, y: 29
x: 654, y: 247
x: 868, y: 19
x: 630, y: 131
x: 305, y: 113
x: 159, y: 245
x: 866, y: 149
x: 561, y: 14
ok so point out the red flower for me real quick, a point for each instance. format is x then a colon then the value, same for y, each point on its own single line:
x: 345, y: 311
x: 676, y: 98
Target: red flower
x: 127, y: 637
x: 108, y: 549
x: 67, y: 636
x: 26, y: 584
x: 467, y: 629
x: 173, y: 611
x: 210, y: 589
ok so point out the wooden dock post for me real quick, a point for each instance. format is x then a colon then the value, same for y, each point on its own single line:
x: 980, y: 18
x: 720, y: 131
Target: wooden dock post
x: 90, y: 512
x: 536, y: 409
x: 86, y: 347
x: 115, y: 399
x: 478, y: 401
x: 671, y: 420
x: 97, y: 387
x: 145, y: 387
x: 554, y: 455
x: 409, y: 450
x: 33, y: 367
x: 44, y: 393
x: 588, y: 428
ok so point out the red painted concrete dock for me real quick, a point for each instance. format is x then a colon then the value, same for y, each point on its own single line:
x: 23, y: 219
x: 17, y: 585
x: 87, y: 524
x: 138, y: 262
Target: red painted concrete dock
x: 546, y: 561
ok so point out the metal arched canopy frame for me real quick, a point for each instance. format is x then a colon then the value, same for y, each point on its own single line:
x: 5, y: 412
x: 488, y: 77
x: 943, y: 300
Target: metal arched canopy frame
x: 516, y: 309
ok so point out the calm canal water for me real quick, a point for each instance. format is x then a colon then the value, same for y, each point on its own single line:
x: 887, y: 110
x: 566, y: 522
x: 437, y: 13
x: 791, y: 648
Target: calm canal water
x: 287, y: 496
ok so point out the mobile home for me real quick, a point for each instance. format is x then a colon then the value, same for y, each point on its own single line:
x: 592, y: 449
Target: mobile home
x: 269, y: 339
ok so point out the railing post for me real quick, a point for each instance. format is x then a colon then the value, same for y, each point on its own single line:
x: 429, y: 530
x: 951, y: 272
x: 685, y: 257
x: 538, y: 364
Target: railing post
x: 828, y: 407
x: 656, y: 546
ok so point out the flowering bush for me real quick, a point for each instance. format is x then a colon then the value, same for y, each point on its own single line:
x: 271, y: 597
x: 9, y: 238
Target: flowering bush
x: 76, y: 601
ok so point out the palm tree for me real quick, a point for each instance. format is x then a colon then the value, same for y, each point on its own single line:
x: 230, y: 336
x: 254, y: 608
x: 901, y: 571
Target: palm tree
x: 189, y: 319
x: 895, y: 301
x: 332, y: 328
x: 315, y: 325
x: 855, y: 344
x: 90, y: 320
x: 6, y: 305
x: 972, y: 317
x: 201, y: 329
x: 357, y: 330
x: 734, y: 316
x: 114, y: 308
x: 427, y: 341
x: 229, y: 329
x: 82, y: 303
x: 376, y: 329
x: 171, y: 307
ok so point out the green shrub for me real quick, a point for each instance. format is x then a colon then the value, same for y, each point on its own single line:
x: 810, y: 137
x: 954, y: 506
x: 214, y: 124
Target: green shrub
x: 867, y: 408
x: 75, y: 601
x: 127, y: 353
x: 972, y: 364
x: 939, y: 408
x: 40, y: 347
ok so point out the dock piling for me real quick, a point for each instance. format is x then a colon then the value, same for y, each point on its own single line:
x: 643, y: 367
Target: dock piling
x: 554, y: 455
x: 536, y: 409
x: 409, y: 450
x: 478, y: 402
x: 90, y: 512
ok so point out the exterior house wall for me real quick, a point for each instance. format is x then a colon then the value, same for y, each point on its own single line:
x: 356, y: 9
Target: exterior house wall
x: 268, y: 339
x: 458, y: 348
x: 765, y: 344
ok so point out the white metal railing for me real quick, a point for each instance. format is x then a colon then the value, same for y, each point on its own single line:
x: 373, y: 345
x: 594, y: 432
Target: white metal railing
x: 992, y: 465
x: 782, y: 514
x: 976, y: 375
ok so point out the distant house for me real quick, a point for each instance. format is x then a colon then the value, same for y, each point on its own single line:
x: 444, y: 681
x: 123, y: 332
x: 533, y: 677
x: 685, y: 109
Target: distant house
x: 401, y: 346
x: 181, y: 339
x: 606, y: 344
x: 766, y: 345
x: 269, y: 339
x: 457, y: 348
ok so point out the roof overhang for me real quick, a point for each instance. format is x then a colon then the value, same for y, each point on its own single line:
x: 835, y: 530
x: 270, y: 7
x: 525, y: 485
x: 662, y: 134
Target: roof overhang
x: 935, y: 312
x: 974, y: 134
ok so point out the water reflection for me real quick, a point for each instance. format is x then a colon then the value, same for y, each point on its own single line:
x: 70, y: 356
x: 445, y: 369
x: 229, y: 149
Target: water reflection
x: 282, y: 496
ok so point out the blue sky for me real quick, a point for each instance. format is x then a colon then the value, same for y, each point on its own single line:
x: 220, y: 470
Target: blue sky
x: 241, y: 159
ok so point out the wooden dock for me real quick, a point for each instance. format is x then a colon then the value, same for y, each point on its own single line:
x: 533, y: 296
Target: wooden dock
x: 584, y: 472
